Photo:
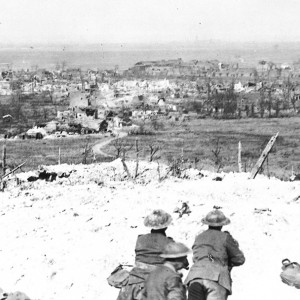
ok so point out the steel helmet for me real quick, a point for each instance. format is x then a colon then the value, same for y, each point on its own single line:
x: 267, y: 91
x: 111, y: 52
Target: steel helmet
x: 215, y: 218
x: 158, y: 219
x: 175, y: 250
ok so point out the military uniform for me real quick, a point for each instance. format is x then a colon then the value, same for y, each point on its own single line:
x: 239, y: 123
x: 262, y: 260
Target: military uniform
x: 164, y: 283
x: 214, y: 254
x: 148, y: 249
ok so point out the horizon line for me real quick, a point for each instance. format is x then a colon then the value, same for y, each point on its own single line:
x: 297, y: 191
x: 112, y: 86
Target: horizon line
x: 196, y: 42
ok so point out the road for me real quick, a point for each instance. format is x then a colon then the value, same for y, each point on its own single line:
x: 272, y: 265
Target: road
x: 97, y: 148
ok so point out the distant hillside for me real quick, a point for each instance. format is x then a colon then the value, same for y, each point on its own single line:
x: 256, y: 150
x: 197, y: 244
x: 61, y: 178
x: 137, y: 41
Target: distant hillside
x: 107, y: 56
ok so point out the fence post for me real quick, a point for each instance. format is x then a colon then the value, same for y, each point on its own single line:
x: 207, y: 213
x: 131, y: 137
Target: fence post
x: 263, y: 156
x: 240, y: 157
x: 137, y: 158
x: 4, y: 158
x: 59, y: 155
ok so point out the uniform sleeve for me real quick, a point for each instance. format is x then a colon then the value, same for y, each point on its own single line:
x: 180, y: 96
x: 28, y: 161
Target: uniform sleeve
x: 176, y: 289
x: 235, y: 255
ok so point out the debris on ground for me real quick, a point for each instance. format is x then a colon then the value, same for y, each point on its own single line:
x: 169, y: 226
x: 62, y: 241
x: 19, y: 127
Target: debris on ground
x: 261, y: 210
x: 295, y: 177
x: 185, y: 209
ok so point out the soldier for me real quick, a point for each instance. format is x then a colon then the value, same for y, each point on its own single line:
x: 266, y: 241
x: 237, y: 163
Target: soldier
x: 214, y: 254
x: 149, y: 246
x: 148, y: 249
x: 164, y: 283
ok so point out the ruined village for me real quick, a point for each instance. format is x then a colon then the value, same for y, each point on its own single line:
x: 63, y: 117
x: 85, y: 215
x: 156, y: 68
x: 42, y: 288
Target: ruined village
x: 55, y: 105
x: 149, y: 150
x: 68, y: 101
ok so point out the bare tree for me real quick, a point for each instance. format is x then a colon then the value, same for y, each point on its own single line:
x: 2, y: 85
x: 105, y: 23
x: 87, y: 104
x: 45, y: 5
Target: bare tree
x: 81, y: 79
x: 87, y: 151
x: 287, y: 93
x: 121, y: 147
x: 154, y: 148
x: 137, y: 158
x: 118, y: 144
x: 269, y: 103
x: 125, y: 165
x: 217, y: 157
x: 262, y: 103
x: 293, y: 101
x: 230, y: 102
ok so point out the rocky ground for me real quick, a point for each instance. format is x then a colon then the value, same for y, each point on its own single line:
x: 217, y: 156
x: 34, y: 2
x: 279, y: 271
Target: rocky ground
x: 61, y: 239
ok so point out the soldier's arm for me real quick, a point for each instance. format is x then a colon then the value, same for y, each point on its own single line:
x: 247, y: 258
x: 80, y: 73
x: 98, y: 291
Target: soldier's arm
x: 176, y: 289
x: 235, y: 255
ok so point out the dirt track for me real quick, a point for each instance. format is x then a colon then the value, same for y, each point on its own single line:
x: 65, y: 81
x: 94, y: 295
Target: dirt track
x: 97, y: 148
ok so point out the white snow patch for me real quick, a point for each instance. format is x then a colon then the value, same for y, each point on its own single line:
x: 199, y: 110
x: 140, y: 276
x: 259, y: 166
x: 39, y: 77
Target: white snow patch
x: 61, y: 239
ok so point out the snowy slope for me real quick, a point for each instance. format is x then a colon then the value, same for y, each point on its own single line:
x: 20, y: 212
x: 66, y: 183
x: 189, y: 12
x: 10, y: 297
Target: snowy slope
x: 61, y: 239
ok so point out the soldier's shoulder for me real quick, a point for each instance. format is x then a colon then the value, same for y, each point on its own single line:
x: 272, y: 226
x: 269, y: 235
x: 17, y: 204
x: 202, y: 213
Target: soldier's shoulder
x: 144, y: 235
x: 230, y: 238
x: 141, y: 237
x: 227, y: 233
x: 202, y: 232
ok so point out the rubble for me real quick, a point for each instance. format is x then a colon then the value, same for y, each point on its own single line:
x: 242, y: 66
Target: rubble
x: 185, y: 209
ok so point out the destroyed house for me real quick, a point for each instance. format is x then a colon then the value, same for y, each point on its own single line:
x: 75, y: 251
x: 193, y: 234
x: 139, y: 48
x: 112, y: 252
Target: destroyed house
x: 170, y: 62
x: 246, y: 72
x: 207, y: 66
x: 142, y: 65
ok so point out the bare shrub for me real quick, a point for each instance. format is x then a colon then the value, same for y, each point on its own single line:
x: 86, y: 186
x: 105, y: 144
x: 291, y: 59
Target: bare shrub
x: 217, y: 157
x: 154, y: 148
x: 124, y: 149
x: 87, y: 152
x: 121, y: 147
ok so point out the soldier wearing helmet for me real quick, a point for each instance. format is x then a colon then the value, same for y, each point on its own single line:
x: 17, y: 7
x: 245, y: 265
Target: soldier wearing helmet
x: 148, y: 250
x: 149, y: 246
x: 165, y: 282
x: 214, y: 254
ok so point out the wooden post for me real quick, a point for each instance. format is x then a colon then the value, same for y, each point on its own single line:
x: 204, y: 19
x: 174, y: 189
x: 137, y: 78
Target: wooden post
x: 137, y: 158
x: 12, y: 171
x: 4, y: 159
x: 143, y: 152
x: 263, y: 156
x: 182, y: 160
x: 240, y: 157
x: 59, y: 155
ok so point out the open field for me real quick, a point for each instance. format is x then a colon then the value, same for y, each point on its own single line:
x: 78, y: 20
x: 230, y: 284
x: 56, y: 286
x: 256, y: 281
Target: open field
x: 197, y: 139
x: 45, y: 152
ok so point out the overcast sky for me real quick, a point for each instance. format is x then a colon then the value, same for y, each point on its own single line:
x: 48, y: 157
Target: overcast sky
x: 125, y: 21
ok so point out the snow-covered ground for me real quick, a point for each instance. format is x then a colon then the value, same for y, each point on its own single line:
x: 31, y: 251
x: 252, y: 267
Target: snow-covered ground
x: 61, y: 239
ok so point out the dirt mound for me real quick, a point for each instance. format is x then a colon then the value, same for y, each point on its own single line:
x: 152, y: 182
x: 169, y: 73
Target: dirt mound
x: 60, y: 239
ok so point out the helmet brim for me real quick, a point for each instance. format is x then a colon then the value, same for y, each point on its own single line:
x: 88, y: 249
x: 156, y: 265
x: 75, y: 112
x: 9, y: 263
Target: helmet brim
x: 216, y: 224
x: 158, y: 226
